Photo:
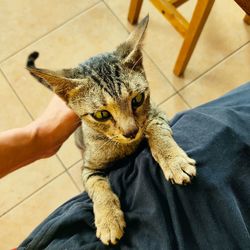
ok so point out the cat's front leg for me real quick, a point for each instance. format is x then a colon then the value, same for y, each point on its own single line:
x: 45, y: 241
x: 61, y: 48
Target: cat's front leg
x: 109, y: 218
x: 175, y: 163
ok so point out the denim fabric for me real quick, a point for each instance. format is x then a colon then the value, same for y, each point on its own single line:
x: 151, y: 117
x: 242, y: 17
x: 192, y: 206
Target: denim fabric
x: 211, y: 213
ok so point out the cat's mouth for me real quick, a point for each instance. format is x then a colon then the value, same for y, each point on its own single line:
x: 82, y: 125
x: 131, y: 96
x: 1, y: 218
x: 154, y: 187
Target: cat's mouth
x: 128, y: 139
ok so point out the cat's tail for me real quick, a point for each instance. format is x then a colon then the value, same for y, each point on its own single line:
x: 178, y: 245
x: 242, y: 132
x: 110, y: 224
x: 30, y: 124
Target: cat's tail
x: 31, y: 59
x: 31, y: 64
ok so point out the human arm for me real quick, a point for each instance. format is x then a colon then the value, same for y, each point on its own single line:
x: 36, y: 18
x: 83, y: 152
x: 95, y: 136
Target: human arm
x: 39, y: 139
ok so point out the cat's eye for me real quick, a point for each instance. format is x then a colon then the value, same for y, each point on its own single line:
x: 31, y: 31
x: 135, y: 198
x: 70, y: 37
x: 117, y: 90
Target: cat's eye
x: 102, y: 115
x: 137, y: 101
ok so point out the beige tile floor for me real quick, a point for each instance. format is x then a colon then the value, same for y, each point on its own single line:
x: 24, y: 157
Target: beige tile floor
x: 65, y: 34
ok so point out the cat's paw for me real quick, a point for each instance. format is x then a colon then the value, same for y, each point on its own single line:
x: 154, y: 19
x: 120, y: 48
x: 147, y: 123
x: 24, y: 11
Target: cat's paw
x: 110, y: 225
x: 180, y: 169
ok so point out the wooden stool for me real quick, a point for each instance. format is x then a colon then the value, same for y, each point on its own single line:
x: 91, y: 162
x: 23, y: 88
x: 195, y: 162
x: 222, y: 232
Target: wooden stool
x: 189, y: 30
x: 247, y: 19
x: 245, y: 5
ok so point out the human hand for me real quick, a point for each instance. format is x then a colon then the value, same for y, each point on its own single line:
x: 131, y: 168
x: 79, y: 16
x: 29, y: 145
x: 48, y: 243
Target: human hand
x: 53, y: 127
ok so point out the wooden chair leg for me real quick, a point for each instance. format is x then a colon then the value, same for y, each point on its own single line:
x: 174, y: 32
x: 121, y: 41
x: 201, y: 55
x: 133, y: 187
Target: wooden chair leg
x: 134, y: 11
x: 200, y: 15
x: 247, y: 19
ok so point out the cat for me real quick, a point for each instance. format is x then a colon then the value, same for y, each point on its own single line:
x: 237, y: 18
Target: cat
x: 110, y: 94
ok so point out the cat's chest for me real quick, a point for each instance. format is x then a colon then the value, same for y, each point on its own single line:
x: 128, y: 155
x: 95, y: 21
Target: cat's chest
x: 99, y: 153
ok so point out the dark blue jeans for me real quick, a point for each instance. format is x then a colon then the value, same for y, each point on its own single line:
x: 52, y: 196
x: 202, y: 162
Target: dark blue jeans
x: 211, y: 213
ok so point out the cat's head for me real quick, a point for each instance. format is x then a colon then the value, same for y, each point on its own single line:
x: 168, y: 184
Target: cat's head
x: 109, y: 91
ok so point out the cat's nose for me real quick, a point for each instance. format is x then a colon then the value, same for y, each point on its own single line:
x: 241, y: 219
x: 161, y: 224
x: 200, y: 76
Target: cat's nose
x: 131, y: 133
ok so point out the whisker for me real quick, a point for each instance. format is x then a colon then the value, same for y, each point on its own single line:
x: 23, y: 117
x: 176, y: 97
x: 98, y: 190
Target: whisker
x: 136, y: 63
x: 131, y: 70
x: 77, y: 123
x: 105, y: 143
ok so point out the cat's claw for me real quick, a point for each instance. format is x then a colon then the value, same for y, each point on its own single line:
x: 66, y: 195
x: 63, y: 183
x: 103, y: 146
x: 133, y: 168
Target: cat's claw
x: 180, y: 170
x: 110, y: 227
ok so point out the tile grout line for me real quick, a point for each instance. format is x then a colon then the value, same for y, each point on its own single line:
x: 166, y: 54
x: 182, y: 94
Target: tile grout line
x: 47, y: 33
x: 207, y: 71
x: 172, y: 95
x: 67, y: 172
x: 71, y: 177
x: 72, y: 165
x: 215, y: 65
x: 40, y: 188
x: 14, y: 91
x: 184, y: 100
x: 160, y: 71
x: 31, y: 194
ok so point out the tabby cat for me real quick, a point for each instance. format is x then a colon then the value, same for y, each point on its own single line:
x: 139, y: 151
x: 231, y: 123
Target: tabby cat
x: 110, y: 93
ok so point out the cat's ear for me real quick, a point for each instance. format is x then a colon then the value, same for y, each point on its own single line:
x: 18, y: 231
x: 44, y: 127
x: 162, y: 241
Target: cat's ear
x: 130, y: 51
x: 55, y: 80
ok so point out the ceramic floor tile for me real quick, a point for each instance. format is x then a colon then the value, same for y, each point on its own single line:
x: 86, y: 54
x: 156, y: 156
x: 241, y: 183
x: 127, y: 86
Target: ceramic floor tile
x: 19, y: 184
x: 224, y: 33
x: 76, y: 173
x: 26, y: 21
x: 19, y: 222
x: 226, y: 76
x: 160, y: 88
x: 12, y: 112
x: 173, y: 105
x: 69, y: 153
x: 67, y: 46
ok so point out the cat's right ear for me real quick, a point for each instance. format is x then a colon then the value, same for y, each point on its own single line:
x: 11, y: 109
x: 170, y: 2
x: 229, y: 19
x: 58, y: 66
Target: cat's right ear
x: 130, y: 52
x: 54, y: 80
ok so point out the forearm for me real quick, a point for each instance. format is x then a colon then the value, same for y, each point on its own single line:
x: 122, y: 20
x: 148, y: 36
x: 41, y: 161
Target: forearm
x: 17, y: 148
x: 40, y: 139
x: 157, y: 125
x: 174, y: 162
x: 159, y: 136
x: 109, y: 218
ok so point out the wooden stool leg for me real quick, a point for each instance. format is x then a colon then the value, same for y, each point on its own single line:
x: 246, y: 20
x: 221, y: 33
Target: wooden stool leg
x: 200, y: 15
x: 247, y: 19
x: 134, y: 11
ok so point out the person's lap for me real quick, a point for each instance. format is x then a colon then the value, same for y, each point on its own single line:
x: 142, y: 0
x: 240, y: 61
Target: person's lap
x: 210, y: 213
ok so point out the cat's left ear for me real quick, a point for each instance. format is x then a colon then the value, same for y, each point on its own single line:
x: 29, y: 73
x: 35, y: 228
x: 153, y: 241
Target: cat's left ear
x: 55, y: 80
x: 130, y: 51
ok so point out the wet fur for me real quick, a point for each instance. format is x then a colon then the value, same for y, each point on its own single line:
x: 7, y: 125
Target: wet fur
x: 109, y: 82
